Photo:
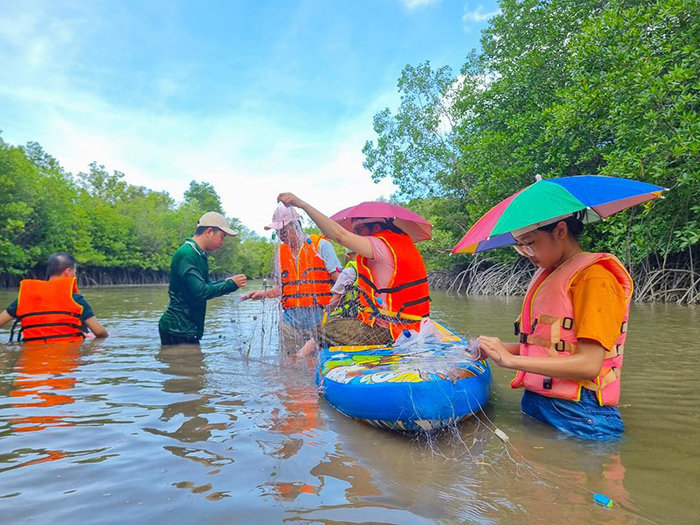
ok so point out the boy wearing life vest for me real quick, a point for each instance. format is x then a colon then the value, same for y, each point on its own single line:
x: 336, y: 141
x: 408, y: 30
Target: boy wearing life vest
x: 392, y: 281
x: 190, y: 287
x: 52, y: 311
x: 307, y: 267
x: 572, y: 328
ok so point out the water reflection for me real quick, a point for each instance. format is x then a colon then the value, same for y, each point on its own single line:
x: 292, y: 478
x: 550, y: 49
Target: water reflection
x: 235, y: 429
x: 185, y: 364
x: 45, y: 378
x: 297, y: 421
x: 342, y: 467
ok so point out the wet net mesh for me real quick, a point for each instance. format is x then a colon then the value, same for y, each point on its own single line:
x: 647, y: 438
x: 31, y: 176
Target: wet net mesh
x: 476, y: 439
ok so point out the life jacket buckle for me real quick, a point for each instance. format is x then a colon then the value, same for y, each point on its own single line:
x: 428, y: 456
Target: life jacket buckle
x: 523, y: 338
x: 547, y: 383
x: 623, y: 328
x: 567, y: 323
x: 560, y: 346
x: 516, y: 328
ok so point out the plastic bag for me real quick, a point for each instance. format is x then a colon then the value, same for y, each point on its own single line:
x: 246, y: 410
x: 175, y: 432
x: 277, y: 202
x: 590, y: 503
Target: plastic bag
x: 429, y: 334
x: 473, y: 350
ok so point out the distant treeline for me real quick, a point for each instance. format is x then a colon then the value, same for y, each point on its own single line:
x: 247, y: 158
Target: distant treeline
x: 560, y: 88
x: 119, y: 233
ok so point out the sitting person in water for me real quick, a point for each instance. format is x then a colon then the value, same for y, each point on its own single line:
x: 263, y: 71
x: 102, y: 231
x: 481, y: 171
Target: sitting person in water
x: 392, y: 281
x: 572, y: 328
x: 52, y: 311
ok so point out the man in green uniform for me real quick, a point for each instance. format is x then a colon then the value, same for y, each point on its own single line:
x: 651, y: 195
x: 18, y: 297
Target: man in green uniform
x: 190, y: 287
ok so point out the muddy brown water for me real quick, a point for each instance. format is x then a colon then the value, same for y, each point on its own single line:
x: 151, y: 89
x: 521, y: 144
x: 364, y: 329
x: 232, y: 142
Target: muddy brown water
x: 121, y: 430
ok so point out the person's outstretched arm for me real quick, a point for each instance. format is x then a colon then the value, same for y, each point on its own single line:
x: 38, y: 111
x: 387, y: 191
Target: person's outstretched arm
x: 331, y: 229
x: 5, y: 318
x: 95, y: 327
x: 200, y: 288
x: 584, y: 364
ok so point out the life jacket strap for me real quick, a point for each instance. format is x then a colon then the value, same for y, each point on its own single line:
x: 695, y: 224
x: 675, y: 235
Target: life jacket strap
x: 554, y: 348
x: 12, y: 331
x: 386, y: 315
x: 600, y: 383
x: 47, y: 337
x: 393, y: 289
x: 42, y: 325
x: 567, y: 323
x: 408, y: 304
x: 314, y: 281
x: 309, y: 294
x: 313, y: 269
x: 30, y: 314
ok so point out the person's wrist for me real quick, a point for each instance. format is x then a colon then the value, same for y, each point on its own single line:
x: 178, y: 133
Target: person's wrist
x: 508, y: 360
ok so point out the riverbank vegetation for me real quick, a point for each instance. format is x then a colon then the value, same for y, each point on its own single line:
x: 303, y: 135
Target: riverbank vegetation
x: 560, y: 88
x: 119, y: 233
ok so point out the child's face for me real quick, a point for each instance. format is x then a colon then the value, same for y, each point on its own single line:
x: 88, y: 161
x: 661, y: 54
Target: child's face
x: 544, y: 249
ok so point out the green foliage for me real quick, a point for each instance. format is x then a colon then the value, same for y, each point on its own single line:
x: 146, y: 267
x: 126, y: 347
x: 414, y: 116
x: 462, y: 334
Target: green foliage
x: 105, y: 222
x: 203, y: 196
x: 631, y: 110
x: 561, y: 87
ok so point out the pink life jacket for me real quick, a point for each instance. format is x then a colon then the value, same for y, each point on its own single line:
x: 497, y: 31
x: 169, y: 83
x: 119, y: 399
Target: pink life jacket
x: 546, y: 329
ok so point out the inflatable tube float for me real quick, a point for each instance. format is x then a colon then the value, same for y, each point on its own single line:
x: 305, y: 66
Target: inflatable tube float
x: 408, y: 390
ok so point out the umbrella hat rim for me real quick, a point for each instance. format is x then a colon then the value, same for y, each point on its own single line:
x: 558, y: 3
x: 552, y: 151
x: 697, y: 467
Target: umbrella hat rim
x: 392, y: 211
x: 601, y: 196
x: 418, y: 228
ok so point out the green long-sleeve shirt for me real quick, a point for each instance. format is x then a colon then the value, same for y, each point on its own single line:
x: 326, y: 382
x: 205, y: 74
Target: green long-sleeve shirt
x: 189, y: 291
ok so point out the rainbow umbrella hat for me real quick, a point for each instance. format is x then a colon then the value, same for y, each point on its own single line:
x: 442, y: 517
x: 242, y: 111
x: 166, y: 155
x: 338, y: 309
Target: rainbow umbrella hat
x: 550, y: 200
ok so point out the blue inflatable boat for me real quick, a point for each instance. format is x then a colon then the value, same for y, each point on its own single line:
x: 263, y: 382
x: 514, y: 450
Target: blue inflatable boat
x: 407, y: 390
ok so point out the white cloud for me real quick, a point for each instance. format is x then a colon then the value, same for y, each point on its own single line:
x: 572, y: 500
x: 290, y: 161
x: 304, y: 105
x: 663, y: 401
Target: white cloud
x: 166, y: 152
x: 248, y: 152
x: 414, y: 4
x: 477, y: 15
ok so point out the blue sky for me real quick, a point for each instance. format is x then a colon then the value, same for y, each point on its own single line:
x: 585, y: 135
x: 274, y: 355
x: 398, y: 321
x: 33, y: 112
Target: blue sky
x: 254, y: 97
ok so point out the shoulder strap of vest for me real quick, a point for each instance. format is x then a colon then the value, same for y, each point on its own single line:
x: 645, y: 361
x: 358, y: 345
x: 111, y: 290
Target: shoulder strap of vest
x: 316, y: 239
x: 393, y: 289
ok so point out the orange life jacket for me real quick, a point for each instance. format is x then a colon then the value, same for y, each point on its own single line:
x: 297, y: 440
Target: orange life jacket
x: 305, y: 280
x: 47, y: 312
x: 547, y: 329
x: 407, y: 295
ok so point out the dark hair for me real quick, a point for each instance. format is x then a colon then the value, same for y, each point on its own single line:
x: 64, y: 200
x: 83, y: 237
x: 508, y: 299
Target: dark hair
x: 574, y: 223
x: 201, y: 229
x: 392, y: 227
x: 59, y: 262
x: 386, y: 225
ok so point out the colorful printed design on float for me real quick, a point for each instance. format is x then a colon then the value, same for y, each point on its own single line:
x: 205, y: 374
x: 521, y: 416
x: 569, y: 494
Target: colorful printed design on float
x: 433, y: 362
